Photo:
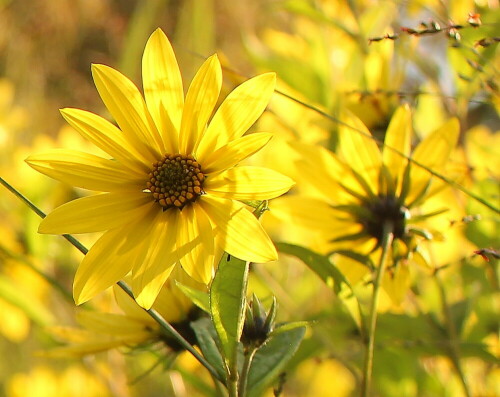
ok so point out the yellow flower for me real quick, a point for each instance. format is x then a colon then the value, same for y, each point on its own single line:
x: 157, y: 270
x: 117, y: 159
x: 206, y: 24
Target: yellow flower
x: 134, y: 327
x: 172, y: 186
x: 356, y: 193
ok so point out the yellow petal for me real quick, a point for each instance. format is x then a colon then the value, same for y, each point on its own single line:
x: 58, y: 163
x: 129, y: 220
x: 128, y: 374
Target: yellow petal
x: 398, y: 140
x: 248, y: 183
x: 239, y: 232
x: 106, y: 136
x: 195, y: 245
x: 200, y: 102
x: 128, y: 305
x: 358, y: 149
x: 111, y: 323
x: 163, y: 88
x: 320, y: 171
x: 126, y: 105
x: 103, y: 266
x: 96, y: 213
x: 171, y: 302
x: 305, y: 212
x: 110, y: 258
x: 242, y: 107
x: 156, y: 260
x: 85, y: 170
x: 433, y: 152
x: 234, y: 152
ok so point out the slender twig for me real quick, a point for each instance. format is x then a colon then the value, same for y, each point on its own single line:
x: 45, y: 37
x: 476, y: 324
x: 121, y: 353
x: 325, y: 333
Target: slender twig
x: 453, y: 342
x: 249, y: 355
x: 372, y: 321
x: 153, y: 313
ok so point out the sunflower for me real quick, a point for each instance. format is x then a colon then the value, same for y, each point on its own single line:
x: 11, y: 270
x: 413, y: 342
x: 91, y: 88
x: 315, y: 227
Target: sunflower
x: 133, y: 327
x: 350, y: 199
x: 172, y: 192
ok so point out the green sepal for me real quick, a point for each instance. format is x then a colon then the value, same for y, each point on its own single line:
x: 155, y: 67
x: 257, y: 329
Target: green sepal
x: 271, y: 358
x: 199, y: 298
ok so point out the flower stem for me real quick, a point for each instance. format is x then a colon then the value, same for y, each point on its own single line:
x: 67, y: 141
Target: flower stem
x: 153, y: 313
x: 372, y: 321
x: 453, y: 338
x: 242, y: 389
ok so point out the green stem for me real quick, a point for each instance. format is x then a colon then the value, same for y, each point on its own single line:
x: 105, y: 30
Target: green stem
x: 372, y: 321
x: 153, y: 313
x: 453, y: 342
x: 249, y: 355
x: 232, y: 384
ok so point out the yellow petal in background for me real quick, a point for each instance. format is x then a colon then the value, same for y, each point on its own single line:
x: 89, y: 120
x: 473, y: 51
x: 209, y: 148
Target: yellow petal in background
x: 126, y: 105
x: 200, y: 102
x: 96, y: 213
x: 397, y: 143
x: 433, y: 152
x: 242, y: 107
x: 163, y: 88
x: 358, y: 149
x: 85, y: 170
x: 238, y: 230
x: 248, y: 183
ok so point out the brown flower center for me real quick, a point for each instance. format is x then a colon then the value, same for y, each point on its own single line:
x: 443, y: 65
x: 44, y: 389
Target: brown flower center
x: 386, y: 209
x: 175, y: 181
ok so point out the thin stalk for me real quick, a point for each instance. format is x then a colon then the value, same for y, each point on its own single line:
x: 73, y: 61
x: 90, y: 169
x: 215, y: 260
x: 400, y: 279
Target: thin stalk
x: 153, y: 313
x: 232, y: 384
x: 242, y: 388
x: 372, y: 321
x: 453, y: 342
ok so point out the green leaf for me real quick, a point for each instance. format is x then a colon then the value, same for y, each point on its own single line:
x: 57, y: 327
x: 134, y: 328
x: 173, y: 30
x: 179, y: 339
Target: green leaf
x: 227, y: 304
x: 206, y: 338
x: 271, y: 358
x: 319, y: 264
x: 199, y: 298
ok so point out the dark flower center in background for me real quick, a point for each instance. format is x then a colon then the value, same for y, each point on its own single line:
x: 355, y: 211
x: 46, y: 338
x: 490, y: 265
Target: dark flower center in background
x: 176, y: 180
x: 383, y: 210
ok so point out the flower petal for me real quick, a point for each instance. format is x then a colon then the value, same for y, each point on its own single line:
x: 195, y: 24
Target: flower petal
x: 85, y: 170
x: 235, y: 151
x: 305, y: 212
x: 398, y: 138
x: 111, y: 258
x: 195, y: 245
x: 163, y: 88
x: 200, y: 102
x: 242, y: 107
x: 238, y: 230
x: 103, y: 266
x: 358, y: 149
x: 96, y: 213
x: 320, y: 171
x: 157, y: 259
x: 248, y: 183
x: 433, y: 152
x: 126, y: 105
x: 106, y: 136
